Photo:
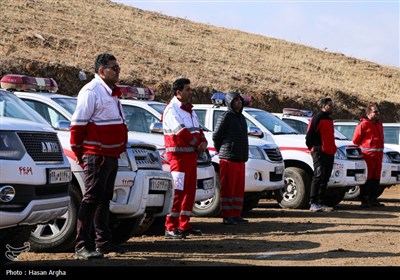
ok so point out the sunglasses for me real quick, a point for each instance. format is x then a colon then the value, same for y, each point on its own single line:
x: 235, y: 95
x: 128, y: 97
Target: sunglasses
x: 116, y: 68
x: 376, y: 112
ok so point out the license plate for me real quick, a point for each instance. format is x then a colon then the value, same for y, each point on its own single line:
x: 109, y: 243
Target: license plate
x: 279, y: 169
x: 208, y: 184
x: 360, y: 177
x: 159, y: 185
x: 56, y: 176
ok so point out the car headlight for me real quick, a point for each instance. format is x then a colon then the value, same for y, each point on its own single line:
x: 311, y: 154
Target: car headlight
x: 123, y: 160
x: 340, y: 154
x: 255, y: 152
x: 11, y: 147
x: 386, y: 158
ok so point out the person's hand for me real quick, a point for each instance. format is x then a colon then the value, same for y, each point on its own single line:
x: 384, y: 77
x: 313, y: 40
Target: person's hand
x: 202, y: 147
x: 79, y: 159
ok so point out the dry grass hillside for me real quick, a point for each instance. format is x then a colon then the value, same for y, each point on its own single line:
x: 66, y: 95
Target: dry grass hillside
x: 58, y: 38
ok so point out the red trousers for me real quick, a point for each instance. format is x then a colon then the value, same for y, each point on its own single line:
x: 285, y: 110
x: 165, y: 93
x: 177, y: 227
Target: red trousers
x: 184, y: 172
x: 232, y: 178
x: 374, y: 165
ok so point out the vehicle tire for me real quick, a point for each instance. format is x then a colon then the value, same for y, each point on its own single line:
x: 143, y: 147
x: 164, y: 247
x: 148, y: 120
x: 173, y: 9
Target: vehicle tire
x: 352, y: 193
x: 59, y: 234
x: 333, y: 196
x: 144, y: 225
x: 124, y: 229
x: 250, y: 201
x: 209, y: 207
x: 296, y: 192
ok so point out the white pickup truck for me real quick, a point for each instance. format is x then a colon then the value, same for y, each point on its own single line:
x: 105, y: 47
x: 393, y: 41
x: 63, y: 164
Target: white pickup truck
x: 390, y: 174
x: 57, y: 109
x: 142, y: 189
x: 349, y: 167
x: 34, y: 176
x: 264, y: 169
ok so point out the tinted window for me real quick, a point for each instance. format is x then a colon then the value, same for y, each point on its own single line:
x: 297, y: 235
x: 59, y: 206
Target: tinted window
x: 138, y: 119
x: 392, y: 135
x: 47, y: 112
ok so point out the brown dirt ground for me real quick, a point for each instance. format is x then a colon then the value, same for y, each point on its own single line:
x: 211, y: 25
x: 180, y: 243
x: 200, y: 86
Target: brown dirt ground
x: 348, y: 236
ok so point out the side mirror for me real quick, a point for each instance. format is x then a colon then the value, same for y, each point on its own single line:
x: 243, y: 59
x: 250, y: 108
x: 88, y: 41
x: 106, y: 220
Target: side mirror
x: 62, y: 125
x: 255, y: 131
x: 156, y: 127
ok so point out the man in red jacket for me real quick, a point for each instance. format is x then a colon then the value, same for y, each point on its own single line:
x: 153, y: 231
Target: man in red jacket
x: 98, y: 136
x: 369, y: 136
x: 184, y: 140
x: 320, y: 140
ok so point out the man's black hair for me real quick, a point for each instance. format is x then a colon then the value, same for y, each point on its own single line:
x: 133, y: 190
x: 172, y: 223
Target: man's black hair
x: 103, y: 60
x: 179, y: 84
x: 324, y: 101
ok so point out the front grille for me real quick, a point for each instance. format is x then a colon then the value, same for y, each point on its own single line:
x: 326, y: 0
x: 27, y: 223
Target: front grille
x: 274, y: 154
x: 42, y: 146
x: 395, y: 173
x: 353, y: 172
x: 146, y: 158
x: 273, y: 177
x: 51, y: 189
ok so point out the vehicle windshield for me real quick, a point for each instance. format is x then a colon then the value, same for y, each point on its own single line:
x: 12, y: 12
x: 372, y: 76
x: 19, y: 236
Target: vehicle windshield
x: 158, y: 107
x: 340, y: 136
x: 68, y: 104
x: 273, y: 124
x: 13, y: 107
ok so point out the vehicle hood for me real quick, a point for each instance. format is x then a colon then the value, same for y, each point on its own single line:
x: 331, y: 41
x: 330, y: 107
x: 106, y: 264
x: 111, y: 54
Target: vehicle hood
x: 13, y: 124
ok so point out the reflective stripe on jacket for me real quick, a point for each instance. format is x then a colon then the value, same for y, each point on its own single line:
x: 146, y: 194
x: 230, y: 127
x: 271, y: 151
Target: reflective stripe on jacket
x: 181, y: 127
x: 369, y: 136
x: 98, y: 123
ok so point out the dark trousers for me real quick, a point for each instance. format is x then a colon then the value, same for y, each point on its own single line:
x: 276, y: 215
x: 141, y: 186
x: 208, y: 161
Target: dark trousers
x: 323, y: 164
x: 100, y: 173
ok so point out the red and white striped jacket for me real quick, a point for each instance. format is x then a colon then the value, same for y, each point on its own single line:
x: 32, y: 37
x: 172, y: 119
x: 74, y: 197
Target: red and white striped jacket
x: 98, y: 123
x: 182, y: 133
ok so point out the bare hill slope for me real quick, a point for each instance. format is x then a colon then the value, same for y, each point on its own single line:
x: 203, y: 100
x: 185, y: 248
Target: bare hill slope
x: 58, y: 38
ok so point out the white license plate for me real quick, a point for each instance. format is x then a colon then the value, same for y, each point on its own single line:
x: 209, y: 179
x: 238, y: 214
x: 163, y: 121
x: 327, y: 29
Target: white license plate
x: 279, y: 169
x: 159, y: 185
x: 208, y: 184
x: 360, y: 177
x: 59, y: 176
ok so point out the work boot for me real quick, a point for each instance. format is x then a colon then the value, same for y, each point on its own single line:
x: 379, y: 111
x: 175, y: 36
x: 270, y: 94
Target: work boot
x: 191, y: 231
x: 229, y: 221
x: 173, y: 234
x: 86, y: 254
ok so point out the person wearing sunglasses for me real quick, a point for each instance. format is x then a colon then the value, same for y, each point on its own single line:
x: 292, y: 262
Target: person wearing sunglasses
x: 369, y: 136
x: 98, y: 137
